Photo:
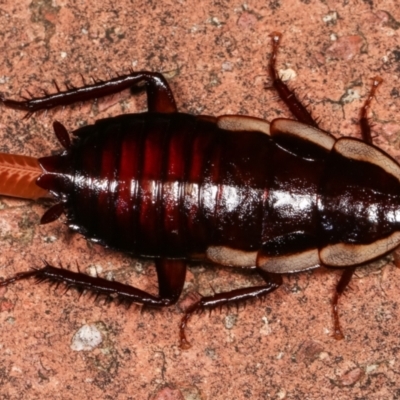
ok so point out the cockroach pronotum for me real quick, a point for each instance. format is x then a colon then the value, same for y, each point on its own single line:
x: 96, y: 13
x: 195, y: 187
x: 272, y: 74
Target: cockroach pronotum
x: 278, y: 198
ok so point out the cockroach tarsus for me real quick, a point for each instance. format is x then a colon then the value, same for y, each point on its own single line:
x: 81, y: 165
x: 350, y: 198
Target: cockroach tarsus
x: 276, y: 198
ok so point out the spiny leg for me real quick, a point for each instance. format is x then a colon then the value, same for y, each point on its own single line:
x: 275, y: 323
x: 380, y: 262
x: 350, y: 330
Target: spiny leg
x: 287, y: 95
x: 172, y: 273
x: 159, y: 95
x: 340, y: 288
x: 273, y: 281
x: 348, y: 272
x: 364, y: 122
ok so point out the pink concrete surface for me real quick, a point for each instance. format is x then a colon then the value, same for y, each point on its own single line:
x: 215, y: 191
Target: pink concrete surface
x: 55, y: 346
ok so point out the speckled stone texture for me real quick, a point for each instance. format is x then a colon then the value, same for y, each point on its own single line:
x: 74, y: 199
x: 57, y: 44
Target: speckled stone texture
x: 55, y: 346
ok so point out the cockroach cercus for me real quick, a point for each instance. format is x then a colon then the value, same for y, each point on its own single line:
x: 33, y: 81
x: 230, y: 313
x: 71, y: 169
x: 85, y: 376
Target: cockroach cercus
x: 278, y: 198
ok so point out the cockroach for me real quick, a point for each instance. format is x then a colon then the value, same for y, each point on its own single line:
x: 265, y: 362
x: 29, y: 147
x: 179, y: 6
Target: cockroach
x: 277, y: 198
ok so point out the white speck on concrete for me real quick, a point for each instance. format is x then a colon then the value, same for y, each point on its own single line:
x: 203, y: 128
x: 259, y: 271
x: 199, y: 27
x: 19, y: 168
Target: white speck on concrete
x: 86, y: 338
x: 287, y: 74
x: 371, y: 368
x: 330, y: 18
x: 266, y: 328
x: 230, y: 321
x: 94, y: 270
x: 350, y: 96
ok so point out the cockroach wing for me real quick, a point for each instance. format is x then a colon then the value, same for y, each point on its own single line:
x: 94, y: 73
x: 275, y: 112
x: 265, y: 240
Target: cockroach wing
x: 358, y: 150
x: 360, y: 196
x: 301, y: 139
x: 229, y: 257
x: 242, y: 123
x: 345, y: 255
x: 289, y: 253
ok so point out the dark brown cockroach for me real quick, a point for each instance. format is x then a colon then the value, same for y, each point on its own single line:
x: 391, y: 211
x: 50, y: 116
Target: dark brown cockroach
x: 277, y: 198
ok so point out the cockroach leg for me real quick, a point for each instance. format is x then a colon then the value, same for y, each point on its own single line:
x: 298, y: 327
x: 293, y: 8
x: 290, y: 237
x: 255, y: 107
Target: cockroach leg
x: 348, y: 273
x: 159, y: 95
x: 20, y: 276
x: 364, y: 122
x: 287, y: 95
x: 171, y: 278
x: 340, y: 288
x: 273, y: 281
x: 170, y: 287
